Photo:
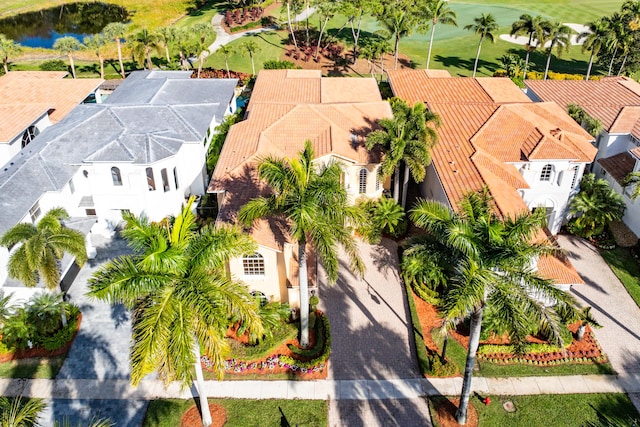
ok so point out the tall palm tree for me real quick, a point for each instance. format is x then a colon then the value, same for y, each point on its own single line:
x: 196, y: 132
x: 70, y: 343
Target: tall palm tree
x: 492, y: 270
x: 20, y: 411
x: 399, y: 19
x: 405, y: 138
x: 559, y: 36
x: 42, y: 246
x: 326, y: 9
x: 535, y: 28
x: 293, y: 35
x: 617, y: 36
x: 250, y: 47
x: 166, y: 36
x: 95, y: 43
x: 484, y: 25
x: 595, y: 205
x: 181, y: 296
x: 314, y: 203
x: 594, y: 40
x: 8, y: 48
x: 116, y: 31
x: 438, y: 11
x: 226, y: 50
x: 354, y: 10
x: 141, y: 45
x: 68, y: 45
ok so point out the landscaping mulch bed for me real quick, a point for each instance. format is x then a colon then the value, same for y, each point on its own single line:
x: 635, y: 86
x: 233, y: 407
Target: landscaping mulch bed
x: 623, y: 236
x: 192, y: 417
x: 446, y: 413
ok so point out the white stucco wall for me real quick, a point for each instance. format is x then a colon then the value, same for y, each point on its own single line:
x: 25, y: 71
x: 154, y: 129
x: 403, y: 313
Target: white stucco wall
x: 612, y: 144
x: 273, y: 283
x: 8, y: 149
x: 431, y: 188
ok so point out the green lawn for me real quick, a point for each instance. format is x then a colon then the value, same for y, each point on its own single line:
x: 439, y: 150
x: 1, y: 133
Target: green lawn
x: 37, y: 367
x: 625, y: 266
x: 244, y: 412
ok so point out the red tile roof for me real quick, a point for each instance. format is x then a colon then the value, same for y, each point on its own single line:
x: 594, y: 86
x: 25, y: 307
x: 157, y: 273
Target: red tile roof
x: 618, y: 166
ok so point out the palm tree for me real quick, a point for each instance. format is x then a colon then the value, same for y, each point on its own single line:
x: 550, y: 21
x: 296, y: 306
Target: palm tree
x: 166, y: 35
x: 68, y: 45
x: 142, y: 44
x: 42, y: 246
x: 405, y: 138
x: 438, y: 11
x: 115, y: 31
x: 8, y: 48
x: 250, y: 47
x: 535, y: 28
x: 354, y: 10
x: 226, y: 50
x: 594, y: 39
x: 314, y: 203
x: 559, y: 36
x: 180, y: 294
x: 595, y: 205
x: 631, y: 8
x: 20, y: 411
x: 399, y: 20
x: 492, y: 270
x: 483, y: 25
x: 326, y: 9
x: 633, y: 178
x: 95, y: 43
x: 296, y: 5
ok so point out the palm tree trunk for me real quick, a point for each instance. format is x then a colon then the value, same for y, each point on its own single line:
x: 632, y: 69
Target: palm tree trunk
x: 293, y: 36
x: 433, y: 30
x: 546, y: 69
x: 526, y: 64
x: 166, y: 52
x: 147, y: 55
x: 624, y: 61
x: 395, y: 52
x: 405, y: 185
x: 590, y: 64
x: 202, y: 396
x: 63, y: 313
x: 396, y: 184
x: 5, y: 64
x: 101, y: 59
x: 356, y: 38
x: 120, y: 57
x: 304, y: 293
x: 581, y: 331
x: 474, y: 340
x: 475, y: 66
x: 253, y: 66
x: 73, y: 67
x: 226, y: 63
x: 613, y: 57
x: 326, y: 20
x: 381, y: 65
x: 445, y: 344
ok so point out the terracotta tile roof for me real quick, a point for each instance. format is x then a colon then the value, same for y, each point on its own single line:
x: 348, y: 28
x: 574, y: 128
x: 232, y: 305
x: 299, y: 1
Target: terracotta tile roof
x: 628, y: 121
x: 339, y: 89
x: 16, y: 118
x: 47, y: 89
x: 635, y: 152
x: 559, y: 269
x: 619, y: 166
x: 502, y: 90
x: 437, y: 74
x: 602, y: 99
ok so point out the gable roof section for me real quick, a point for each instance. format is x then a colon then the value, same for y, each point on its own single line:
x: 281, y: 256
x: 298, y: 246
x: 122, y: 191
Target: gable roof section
x: 16, y: 118
x: 619, y: 165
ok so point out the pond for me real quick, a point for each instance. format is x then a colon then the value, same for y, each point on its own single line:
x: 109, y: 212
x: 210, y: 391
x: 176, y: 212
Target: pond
x: 42, y: 28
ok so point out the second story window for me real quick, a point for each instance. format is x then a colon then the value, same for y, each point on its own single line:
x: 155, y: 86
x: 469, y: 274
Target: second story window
x: 253, y: 265
x: 165, y: 180
x: 116, y: 177
x: 35, y: 212
x: 574, y: 179
x: 362, y: 187
x: 175, y: 177
x: 545, y: 175
x: 151, y: 182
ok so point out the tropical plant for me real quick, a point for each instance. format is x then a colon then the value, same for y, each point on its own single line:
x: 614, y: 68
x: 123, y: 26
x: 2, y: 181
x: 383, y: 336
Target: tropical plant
x: 406, y: 138
x: 492, y: 267
x: 250, y: 47
x: 20, y: 411
x: 594, y: 40
x: 631, y: 8
x: 586, y: 318
x: 181, y: 296
x: 438, y: 11
x: 354, y: 10
x: 327, y: 9
x: 399, y: 18
x: 590, y: 124
x: 484, y: 25
x: 558, y: 36
x: 116, y: 31
x: 375, y: 47
x: 68, y: 45
x: 41, y: 249
x: 226, y: 50
x: 201, y: 29
x: 383, y: 216
x: 535, y: 28
x: 296, y: 5
x: 8, y: 48
x: 595, y: 206
x: 166, y: 36
x: 96, y: 43
x: 314, y: 203
x: 142, y: 43
x: 633, y: 178
x: 512, y: 64
x: 5, y: 310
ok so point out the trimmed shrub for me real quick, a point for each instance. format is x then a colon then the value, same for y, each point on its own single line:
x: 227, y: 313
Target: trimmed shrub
x: 53, y: 65
x: 275, y: 64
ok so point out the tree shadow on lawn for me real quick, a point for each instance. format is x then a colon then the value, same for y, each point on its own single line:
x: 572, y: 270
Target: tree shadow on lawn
x: 201, y: 7
x: 457, y: 62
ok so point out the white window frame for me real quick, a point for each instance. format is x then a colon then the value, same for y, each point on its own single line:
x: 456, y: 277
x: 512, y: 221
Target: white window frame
x: 253, y: 265
x: 362, y: 180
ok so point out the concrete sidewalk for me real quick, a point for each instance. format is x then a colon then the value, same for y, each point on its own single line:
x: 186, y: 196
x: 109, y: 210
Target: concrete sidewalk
x: 320, y: 389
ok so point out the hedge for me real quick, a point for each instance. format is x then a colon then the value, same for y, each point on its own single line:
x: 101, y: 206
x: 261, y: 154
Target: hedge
x: 424, y: 361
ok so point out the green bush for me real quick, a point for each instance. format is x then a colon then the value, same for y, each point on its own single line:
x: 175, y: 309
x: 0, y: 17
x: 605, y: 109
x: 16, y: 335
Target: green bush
x: 53, y: 65
x: 323, y: 356
x: 438, y: 369
x: 382, y: 216
x: 275, y: 64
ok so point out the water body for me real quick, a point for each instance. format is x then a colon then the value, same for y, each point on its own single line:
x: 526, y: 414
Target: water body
x: 42, y: 28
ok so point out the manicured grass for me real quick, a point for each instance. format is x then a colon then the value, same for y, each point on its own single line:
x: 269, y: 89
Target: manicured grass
x: 567, y: 410
x: 244, y: 412
x: 270, y: 45
x: 625, y: 266
x: 37, y: 367
x: 458, y: 355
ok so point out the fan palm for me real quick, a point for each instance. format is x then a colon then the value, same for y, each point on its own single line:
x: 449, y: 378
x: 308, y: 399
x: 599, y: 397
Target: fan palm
x: 405, y: 138
x: 438, y: 11
x: 594, y: 40
x: 491, y: 267
x: 96, y: 43
x: 559, y: 36
x: 535, y: 28
x: 484, y: 25
x: 41, y: 249
x: 181, y: 296
x: 314, y: 202
x: 68, y: 45
x: 8, y: 48
x: 596, y: 205
x: 116, y: 31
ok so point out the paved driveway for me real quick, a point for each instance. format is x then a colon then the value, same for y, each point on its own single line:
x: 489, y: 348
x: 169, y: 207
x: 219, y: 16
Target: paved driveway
x: 372, y: 339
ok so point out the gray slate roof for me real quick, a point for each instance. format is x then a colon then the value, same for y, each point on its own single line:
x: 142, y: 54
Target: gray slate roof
x: 145, y: 120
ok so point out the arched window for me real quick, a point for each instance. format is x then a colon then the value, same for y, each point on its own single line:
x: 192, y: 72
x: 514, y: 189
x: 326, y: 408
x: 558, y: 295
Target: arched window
x: 28, y: 135
x: 151, y: 182
x: 574, y: 180
x: 261, y: 297
x: 253, y: 265
x: 115, y: 176
x: 545, y: 175
x: 363, y: 180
